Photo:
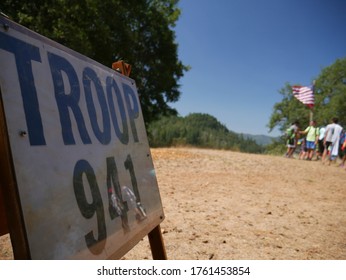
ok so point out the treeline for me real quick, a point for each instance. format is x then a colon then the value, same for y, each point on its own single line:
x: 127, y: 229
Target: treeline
x: 199, y: 130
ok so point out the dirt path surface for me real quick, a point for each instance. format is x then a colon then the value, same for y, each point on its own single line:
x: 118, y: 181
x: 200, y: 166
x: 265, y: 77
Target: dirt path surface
x: 228, y: 205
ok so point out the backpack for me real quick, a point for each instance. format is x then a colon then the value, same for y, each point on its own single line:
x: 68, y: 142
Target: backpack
x: 289, y: 133
x: 316, y: 132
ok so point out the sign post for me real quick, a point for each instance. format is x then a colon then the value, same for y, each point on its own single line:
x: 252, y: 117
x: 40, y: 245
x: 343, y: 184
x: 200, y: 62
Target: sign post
x: 77, y: 174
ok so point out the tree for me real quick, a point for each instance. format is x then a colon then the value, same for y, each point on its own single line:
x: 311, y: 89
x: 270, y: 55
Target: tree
x: 136, y: 31
x: 288, y: 110
x: 330, y: 94
x: 330, y: 100
x: 199, y: 130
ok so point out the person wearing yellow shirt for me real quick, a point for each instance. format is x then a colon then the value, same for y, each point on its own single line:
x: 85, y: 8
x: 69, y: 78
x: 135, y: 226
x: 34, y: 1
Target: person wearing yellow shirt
x: 312, y: 133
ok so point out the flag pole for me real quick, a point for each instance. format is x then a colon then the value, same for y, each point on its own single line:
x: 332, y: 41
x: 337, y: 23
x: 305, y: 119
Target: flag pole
x: 311, y: 115
x: 311, y: 111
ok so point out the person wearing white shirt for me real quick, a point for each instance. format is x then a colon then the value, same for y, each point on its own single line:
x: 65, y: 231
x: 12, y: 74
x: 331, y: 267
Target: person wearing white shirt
x: 328, y: 137
x: 320, y: 148
x: 335, y: 142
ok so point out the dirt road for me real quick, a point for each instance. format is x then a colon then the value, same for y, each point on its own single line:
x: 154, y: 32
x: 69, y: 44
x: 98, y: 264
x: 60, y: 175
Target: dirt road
x: 228, y: 205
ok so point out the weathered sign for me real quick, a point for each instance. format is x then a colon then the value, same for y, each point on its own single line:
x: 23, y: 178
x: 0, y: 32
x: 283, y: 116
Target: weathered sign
x: 79, y: 150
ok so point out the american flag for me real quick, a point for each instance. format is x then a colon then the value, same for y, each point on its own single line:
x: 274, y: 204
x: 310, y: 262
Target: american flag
x: 304, y: 94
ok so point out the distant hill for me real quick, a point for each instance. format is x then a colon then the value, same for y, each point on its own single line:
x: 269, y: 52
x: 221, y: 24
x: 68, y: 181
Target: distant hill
x: 262, y: 140
x: 199, y: 130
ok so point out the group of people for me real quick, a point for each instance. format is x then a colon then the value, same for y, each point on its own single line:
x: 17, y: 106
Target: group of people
x: 325, y: 142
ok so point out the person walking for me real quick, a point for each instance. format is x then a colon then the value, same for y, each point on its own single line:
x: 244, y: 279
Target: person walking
x: 303, y: 150
x: 328, y: 138
x: 336, y: 136
x: 320, y: 148
x: 292, y: 134
x: 312, y: 133
x: 343, y: 150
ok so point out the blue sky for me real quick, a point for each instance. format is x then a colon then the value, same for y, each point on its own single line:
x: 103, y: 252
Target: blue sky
x: 242, y: 52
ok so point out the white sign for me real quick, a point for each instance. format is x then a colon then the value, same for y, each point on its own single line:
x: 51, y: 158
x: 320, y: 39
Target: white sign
x: 80, y: 153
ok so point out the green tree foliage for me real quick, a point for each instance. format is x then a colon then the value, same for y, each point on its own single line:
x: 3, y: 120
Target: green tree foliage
x: 330, y: 93
x: 136, y: 31
x: 330, y: 100
x: 199, y: 130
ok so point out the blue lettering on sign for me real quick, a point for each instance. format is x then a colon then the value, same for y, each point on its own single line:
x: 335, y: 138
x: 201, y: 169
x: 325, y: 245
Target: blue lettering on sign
x: 112, y: 86
x: 108, y: 100
x: 89, y: 76
x: 132, y: 108
x: 70, y: 100
x: 24, y: 53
